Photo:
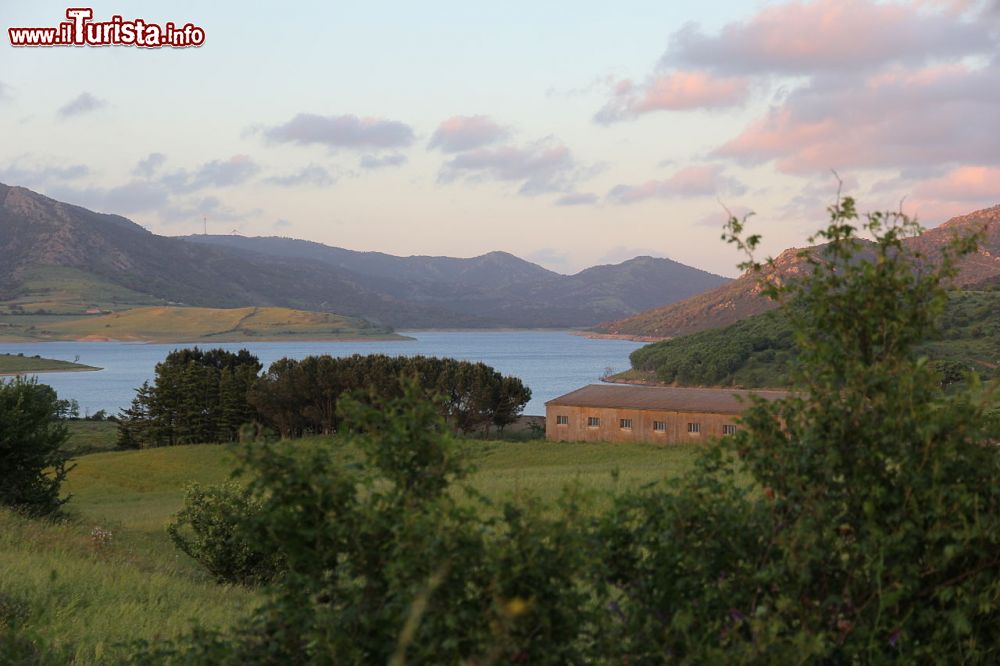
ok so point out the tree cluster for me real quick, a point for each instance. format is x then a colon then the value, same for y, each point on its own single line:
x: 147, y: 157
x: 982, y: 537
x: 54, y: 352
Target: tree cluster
x: 207, y: 396
x: 300, y: 397
x: 197, y: 396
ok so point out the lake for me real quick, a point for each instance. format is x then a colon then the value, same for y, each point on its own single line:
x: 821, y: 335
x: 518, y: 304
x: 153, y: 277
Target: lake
x: 549, y: 362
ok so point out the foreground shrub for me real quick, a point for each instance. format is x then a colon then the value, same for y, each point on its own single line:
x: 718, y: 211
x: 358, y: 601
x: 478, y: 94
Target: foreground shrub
x: 387, y: 560
x: 32, y: 462
x: 210, y: 529
x: 871, y: 530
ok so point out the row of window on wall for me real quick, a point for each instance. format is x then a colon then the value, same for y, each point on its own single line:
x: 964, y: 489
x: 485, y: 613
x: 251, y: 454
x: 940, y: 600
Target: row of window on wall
x: 658, y: 426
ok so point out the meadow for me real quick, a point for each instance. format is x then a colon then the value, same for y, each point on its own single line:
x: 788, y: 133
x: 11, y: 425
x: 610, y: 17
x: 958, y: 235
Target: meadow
x: 189, y: 324
x: 109, y: 574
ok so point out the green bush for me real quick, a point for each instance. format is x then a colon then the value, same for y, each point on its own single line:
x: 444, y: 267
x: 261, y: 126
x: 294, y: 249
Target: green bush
x: 210, y: 529
x: 32, y: 462
x: 872, y: 526
x: 387, y: 560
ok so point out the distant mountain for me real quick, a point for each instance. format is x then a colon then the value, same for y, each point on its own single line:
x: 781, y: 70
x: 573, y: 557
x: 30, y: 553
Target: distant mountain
x: 36, y: 231
x: 497, y: 287
x: 741, y: 298
x: 49, y: 248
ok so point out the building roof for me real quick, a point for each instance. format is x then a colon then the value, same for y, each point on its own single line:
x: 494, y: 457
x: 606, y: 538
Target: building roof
x: 664, y: 398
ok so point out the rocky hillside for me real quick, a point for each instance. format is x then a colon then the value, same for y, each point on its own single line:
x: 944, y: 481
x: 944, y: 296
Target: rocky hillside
x: 741, y: 298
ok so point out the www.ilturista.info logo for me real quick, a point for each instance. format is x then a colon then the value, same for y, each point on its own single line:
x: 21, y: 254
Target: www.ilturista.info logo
x: 81, y: 30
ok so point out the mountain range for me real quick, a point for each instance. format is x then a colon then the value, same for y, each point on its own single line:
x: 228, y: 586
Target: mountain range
x: 47, y: 247
x: 741, y: 298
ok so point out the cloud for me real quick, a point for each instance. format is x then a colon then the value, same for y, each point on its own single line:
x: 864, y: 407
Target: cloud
x: 957, y: 191
x: 377, y: 162
x: 345, y: 131
x: 540, y: 167
x: 673, y: 91
x: 460, y: 133
x: 209, y: 207
x: 5, y: 94
x: 131, y: 197
x: 805, y: 38
x: 694, y: 181
x: 578, y: 199
x: 236, y: 170
x: 32, y: 174
x: 149, y: 165
x: 895, y: 119
x: 83, y: 103
x: 857, y: 84
x: 281, y: 223
x: 966, y: 183
x: 313, y: 174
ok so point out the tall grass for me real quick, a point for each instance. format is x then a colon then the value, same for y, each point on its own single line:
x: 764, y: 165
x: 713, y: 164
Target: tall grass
x: 87, y: 593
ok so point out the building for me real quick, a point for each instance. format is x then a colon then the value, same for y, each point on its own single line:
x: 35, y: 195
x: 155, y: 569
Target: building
x: 663, y: 414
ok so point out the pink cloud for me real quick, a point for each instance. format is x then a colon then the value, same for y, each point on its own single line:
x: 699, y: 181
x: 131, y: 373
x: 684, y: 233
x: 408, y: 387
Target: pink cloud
x: 694, y: 181
x: 543, y: 166
x: 938, y: 195
x: 807, y: 37
x: 897, y: 119
x: 674, y: 91
x: 460, y: 133
x: 966, y: 183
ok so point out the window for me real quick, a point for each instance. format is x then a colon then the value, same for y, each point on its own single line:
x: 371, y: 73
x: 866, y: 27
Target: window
x: 625, y: 424
x: 694, y: 428
x: 728, y: 429
x: 593, y: 422
x: 562, y: 419
x: 659, y: 426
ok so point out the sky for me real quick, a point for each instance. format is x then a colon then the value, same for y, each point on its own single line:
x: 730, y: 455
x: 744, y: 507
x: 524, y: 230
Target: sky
x: 568, y: 133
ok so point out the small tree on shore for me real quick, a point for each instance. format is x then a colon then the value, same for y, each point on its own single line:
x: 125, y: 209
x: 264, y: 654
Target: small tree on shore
x: 32, y: 462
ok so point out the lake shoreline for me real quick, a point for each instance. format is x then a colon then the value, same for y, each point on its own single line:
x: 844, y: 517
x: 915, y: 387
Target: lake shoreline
x: 21, y: 373
x: 220, y: 340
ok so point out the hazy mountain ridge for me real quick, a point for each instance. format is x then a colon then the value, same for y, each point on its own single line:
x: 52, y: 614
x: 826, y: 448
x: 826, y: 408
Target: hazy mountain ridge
x: 741, y: 298
x: 493, y: 290
x: 498, y: 286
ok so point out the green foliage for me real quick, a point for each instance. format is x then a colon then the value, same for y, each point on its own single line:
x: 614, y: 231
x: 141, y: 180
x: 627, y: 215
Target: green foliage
x: 32, y: 462
x: 384, y: 565
x: 300, y: 397
x: 197, y: 396
x: 760, y: 351
x: 753, y: 353
x: 208, y: 530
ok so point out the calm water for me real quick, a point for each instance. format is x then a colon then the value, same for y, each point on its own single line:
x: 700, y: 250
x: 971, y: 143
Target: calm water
x: 551, y: 363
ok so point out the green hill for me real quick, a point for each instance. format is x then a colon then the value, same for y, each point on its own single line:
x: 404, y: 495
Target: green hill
x: 758, y: 352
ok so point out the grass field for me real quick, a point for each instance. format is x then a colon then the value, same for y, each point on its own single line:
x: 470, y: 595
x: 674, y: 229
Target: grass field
x: 61, y: 290
x: 58, y: 581
x: 183, y: 324
x: 13, y: 364
x: 91, y: 437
